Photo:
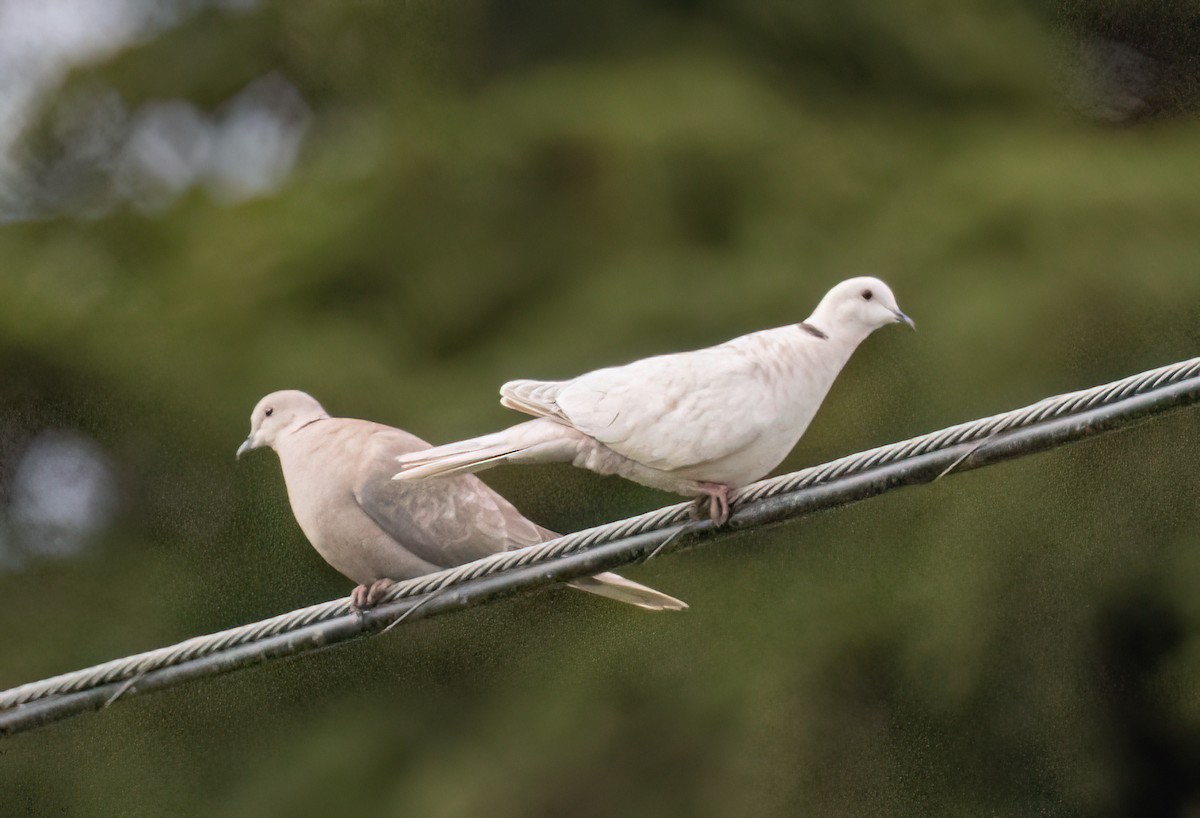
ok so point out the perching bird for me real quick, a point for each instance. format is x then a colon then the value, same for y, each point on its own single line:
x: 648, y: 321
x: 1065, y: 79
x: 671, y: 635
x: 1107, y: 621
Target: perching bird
x: 374, y: 530
x: 695, y: 423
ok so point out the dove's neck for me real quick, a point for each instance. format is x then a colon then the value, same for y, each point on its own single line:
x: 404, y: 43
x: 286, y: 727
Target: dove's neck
x: 819, y: 352
x: 845, y: 334
x: 316, y: 454
x: 302, y: 423
x: 294, y: 430
x: 804, y: 356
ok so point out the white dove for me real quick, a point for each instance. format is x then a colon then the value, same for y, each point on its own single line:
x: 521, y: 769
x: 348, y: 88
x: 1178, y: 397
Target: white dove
x: 376, y: 531
x: 695, y: 423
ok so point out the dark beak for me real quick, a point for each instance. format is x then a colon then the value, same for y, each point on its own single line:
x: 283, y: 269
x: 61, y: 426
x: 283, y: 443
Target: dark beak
x: 901, y: 318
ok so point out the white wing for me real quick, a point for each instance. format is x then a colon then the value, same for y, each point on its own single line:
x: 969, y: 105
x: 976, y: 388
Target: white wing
x: 669, y: 412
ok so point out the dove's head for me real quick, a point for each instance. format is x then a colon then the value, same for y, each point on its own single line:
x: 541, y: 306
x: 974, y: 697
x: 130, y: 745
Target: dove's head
x: 277, y: 413
x: 858, y: 307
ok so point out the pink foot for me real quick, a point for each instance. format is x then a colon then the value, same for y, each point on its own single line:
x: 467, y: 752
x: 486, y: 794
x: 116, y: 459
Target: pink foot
x: 716, y: 497
x: 368, y: 596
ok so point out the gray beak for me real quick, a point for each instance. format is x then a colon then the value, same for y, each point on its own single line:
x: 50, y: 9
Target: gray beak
x: 901, y: 318
x: 246, y: 446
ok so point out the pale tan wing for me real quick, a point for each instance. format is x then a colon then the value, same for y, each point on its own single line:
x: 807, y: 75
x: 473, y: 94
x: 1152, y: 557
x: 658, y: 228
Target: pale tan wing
x: 447, y: 521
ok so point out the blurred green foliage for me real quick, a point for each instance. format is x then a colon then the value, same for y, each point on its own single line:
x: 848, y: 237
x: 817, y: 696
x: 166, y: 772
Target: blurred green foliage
x: 521, y: 189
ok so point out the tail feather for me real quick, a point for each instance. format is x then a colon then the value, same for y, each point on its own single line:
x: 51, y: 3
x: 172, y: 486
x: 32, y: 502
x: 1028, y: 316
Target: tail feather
x: 537, y: 398
x: 530, y: 442
x: 457, y: 458
x: 617, y: 587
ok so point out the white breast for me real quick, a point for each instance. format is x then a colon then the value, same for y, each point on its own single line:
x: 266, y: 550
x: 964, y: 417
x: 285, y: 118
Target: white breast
x: 799, y: 370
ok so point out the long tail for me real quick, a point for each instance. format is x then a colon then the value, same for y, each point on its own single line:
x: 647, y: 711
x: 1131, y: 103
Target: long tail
x: 624, y: 590
x: 530, y: 442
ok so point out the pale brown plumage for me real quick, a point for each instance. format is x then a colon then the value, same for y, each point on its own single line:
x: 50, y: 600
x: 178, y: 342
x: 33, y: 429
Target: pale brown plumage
x: 373, y: 529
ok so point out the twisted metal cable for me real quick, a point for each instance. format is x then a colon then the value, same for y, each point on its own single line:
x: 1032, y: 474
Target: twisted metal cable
x: 129, y: 669
x: 982, y: 429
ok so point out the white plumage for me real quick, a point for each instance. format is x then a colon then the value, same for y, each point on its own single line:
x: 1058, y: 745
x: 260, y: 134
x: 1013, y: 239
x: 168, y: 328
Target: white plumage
x: 695, y: 423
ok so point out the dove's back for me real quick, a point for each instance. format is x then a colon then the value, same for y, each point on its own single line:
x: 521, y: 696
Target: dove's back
x: 727, y: 414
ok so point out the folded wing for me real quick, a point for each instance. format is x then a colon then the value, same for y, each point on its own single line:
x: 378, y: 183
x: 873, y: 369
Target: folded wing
x: 669, y: 412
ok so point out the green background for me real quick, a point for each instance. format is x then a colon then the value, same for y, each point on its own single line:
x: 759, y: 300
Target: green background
x: 496, y: 190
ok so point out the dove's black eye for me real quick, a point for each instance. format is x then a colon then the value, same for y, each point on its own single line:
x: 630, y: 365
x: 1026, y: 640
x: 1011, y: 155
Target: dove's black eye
x: 867, y: 295
x: 269, y: 411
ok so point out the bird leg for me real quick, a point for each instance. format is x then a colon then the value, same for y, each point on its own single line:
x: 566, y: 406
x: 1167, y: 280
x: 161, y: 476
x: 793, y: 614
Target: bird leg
x: 368, y: 596
x: 716, y: 497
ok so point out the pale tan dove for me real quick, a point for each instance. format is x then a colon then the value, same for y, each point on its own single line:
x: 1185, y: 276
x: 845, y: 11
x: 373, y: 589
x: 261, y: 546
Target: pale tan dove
x: 695, y: 423
x: 374, y: 530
